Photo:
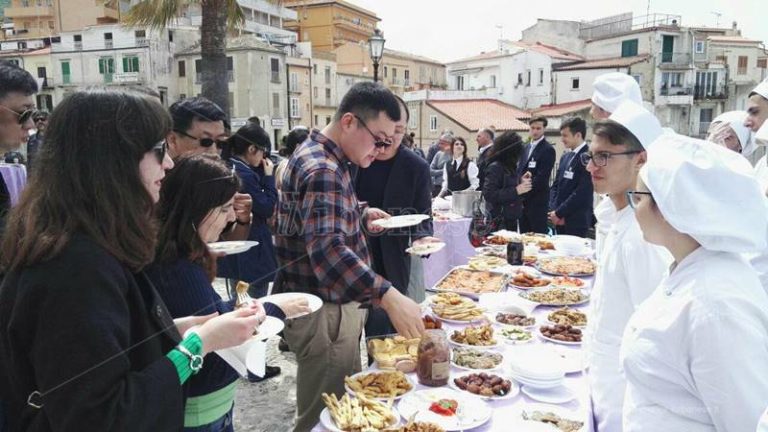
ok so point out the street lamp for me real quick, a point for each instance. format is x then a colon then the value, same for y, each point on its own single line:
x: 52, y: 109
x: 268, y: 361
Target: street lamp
x: 376, y: 46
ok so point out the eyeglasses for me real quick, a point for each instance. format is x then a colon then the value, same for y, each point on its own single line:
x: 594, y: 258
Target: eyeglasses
x: 600, y: 159
x: 231, y: 175
x: 204, y: 142
x: 378, y: 142
x: 633, y: 197
x: 23, y: 116
x: 160, y: 149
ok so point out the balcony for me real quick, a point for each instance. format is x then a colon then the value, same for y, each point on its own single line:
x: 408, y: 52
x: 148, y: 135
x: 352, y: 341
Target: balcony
x: 126, y: 78
x: 675, y: 61
x: 47, y: 82
x: 29, y: 12
x: 708, y: 92
x: 675, y: 96
x: 142, y: 42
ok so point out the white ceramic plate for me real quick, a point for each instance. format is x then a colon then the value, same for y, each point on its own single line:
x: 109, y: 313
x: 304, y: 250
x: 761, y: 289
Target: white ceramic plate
x: 401, y: 221
x: 270, y: 327
x: 530, y: 382
x: 475, y: 411
x: 514, y: 389
x: 557, y: 410
x: 499, y: 335
x: 479, y: 347
x: 555, y: 395
x: 426, y: 249
x: 232, y: 247
x: 464, y: 368
x: 352, y: 392
x: 315, y: 303
x: 570, y: 359
x: 492, y: 318
x: 557, y: 341
x: 451, y: 321
x: 328, y: 423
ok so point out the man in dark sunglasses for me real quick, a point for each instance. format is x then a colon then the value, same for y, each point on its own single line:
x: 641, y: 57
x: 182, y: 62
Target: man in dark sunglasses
x: 35, y: 141
x: 199, y: 126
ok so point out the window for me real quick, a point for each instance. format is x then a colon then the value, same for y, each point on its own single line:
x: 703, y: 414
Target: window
x: 742, y: 65
x: 433, y: 123
x: 575, y: 82
x: 198, y: 70
x: 316, y: 120
x: 328, y: 97
x: 722, y: 59
x: 182, y: 68
x: 705, y: 115
x: 412, y: 124
x: 275, y: 104
x: 141, y: 37
x: 314, y: 69
x: 294, y: 82
x: 108, y: 40
x: 66, y: 76
x: 130, y: 64
x: 274, y: 66
x: 231, y: 69
x: 394, y: 74
x: 762, y: 63
x: 699, y: 47
x: 385, y: 71
x: 295, y: 111
x: 182, y: 96
x: 629, y: 48
x: 44, y: 102
x: 493, y: 82
x: 638, y: 78
x: 541, y: 76
x: 170, y: 36
x: 460, y: 82
x: 520, y: 79
x: 528, y: 79
x: 327, y: 75
x: 78, y: 40
x: 327, y: 120
x: 107, y: 68
x: 314, y: 92
x: 407, y: 76
x: 706, y: 84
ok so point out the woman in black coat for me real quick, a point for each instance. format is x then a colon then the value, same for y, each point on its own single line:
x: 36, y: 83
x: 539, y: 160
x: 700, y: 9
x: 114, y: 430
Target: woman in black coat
x: 501, y: 188
x: 86, y: 343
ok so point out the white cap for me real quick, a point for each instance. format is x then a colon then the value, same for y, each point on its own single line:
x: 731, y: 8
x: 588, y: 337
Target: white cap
x: 708, y: 192
x: 638, y: 120
x: 613, y: 88
x: 761, y: 89
x: 735, y: 120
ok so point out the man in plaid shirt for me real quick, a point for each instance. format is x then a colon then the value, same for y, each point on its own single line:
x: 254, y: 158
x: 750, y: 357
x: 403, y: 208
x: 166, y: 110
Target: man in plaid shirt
x: 322, y: 250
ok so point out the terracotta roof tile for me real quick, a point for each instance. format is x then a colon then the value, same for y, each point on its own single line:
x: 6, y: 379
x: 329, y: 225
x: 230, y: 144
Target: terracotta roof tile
x: 562, y: 109
x: 475, y: 114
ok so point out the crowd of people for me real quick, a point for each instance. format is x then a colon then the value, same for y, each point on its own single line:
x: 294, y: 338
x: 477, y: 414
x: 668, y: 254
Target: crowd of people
x: 109, y: 319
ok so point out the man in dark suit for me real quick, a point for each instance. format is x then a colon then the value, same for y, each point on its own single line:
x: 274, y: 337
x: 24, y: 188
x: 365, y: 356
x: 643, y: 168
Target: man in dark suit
x: 538, y: 159
x: 571, y: 195
x: 484, y: 141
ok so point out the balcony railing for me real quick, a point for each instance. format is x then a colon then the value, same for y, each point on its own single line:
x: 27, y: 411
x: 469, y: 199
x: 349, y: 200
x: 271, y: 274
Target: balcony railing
x: 127, y: 77
x: 707, y: 92
x: 675, y: 91
x: 669, y: 59
x: 142, y: 42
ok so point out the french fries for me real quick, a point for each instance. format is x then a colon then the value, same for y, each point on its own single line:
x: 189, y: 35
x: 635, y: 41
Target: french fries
x: 358, y: 414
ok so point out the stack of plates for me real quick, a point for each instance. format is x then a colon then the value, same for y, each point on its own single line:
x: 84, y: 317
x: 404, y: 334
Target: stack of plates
x: 537, y: 369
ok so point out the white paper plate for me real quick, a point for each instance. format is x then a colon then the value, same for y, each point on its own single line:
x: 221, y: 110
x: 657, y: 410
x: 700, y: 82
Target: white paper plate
x: 328, y: 423
x: 270, y: 327
x: 475, y: 411
x: 232, y: 247
x: 401, y: 221
x: 315, y: 303
x: 555, y: 395
x: 366, y: 372
x: 426, y: 249
x: 514, y: 389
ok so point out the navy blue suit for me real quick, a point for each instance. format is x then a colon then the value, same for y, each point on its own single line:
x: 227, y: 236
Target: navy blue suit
x: 571, y: 198
x: 536, y: 202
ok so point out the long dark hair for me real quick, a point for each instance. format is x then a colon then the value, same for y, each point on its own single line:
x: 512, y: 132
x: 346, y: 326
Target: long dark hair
x: 250, y: 134
x: 464, y: 143
x: 506, y: 150
x: 197, y: 185
x: 88, y: 180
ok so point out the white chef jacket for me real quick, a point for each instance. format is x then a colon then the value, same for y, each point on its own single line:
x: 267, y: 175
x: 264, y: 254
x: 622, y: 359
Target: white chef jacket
x: 763, y: 425
x: 761, y: 173
x: 629, y: 270
x: 605, y: 213
x: 695, y: 353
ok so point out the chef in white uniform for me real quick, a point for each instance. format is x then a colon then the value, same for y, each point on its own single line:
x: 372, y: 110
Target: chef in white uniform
x: 695, y: 353
x: 757, y: 113
x: 610, y: 90
x: 629, y: 268
x: 728, y: 130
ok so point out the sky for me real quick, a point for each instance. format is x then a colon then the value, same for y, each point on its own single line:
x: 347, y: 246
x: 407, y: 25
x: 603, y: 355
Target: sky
x: 450, y: 30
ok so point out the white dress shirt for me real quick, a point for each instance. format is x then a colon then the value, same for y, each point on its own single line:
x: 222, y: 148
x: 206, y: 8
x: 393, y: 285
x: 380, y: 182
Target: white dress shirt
x: 695, y: 353
x: 472, y: 172
x: 629, y: 270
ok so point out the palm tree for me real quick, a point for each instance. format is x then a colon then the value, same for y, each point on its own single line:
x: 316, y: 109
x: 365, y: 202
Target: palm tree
x: 219, y: 16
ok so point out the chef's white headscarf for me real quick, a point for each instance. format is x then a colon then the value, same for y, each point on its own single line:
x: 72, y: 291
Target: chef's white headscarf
x: 761, y: 89
x: 638, y: 120
x: 735, y: 119
x: 708, y: 192
x: 613, y: 88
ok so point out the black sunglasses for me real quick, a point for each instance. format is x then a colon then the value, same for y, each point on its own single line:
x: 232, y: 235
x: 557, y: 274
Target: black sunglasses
x: 204, y: 142
x: 378, y: 142
x: 23, y: 116
x: 160, y: 149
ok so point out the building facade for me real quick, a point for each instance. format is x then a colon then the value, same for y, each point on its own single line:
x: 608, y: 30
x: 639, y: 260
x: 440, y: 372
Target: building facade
x: 329, y: 24
x: 47, y: 18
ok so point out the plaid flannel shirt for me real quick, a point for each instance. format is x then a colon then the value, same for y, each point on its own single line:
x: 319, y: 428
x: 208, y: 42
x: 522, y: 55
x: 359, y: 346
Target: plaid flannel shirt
x: 319, y: 241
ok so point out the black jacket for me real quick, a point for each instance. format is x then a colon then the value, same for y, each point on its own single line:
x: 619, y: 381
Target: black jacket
x: 539, y: 163
x: 408, y: 191
x: 90, y: 336
x: 482, y: 166
x: 571, y: 198
x: 500, y: 192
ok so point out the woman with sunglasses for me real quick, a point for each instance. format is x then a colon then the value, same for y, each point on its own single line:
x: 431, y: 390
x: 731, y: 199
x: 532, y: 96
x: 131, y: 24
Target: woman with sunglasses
x: 196, y: 204
x: 86, y: 343
x: 460, y: 173
x: 694, y: 353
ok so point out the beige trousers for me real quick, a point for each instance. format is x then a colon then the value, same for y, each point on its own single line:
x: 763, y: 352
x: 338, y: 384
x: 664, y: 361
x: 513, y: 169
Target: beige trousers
x: 327, y: 348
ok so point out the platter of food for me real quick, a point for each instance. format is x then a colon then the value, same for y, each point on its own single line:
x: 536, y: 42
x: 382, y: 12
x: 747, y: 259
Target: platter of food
x: 378, y: 385
x: 474, y: 359
x: 480, y: 336
x: 556, y: 296
x: 486, y: 263
x: 470, y: 282
x: 450, y: 409
x: 524, y: 280
x: 568, y: 316
x: 567, y: 266
x: 356, y: 414
x: 453, y: 308
x: 567, y: 282
x: 561, y: 419
x: 562, y: 334
x: 389, y: 351
x: 515, y: 319
x: 515, y: 335
x: 485, y: 385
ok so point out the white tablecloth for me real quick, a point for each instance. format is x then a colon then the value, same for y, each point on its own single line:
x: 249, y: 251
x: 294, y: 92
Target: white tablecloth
x: 456, y: 252
x: 15, y: 176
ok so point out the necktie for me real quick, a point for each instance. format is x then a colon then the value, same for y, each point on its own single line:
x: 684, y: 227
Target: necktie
x: 454, y: 165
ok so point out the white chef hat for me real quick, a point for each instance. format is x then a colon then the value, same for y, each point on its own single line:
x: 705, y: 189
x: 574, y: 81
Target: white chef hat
x: 735, y: 119
x: 613, y: 88
x: 761, y: 89
x: 708, y: 192
x: 643, y: 125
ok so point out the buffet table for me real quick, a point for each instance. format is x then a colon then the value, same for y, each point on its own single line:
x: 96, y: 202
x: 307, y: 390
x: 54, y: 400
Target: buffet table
x: 451, y: 229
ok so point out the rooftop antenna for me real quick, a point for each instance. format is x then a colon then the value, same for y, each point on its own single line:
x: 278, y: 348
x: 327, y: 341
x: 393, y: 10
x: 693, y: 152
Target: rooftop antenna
x: 717, y: 21
x: 501, y: 36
